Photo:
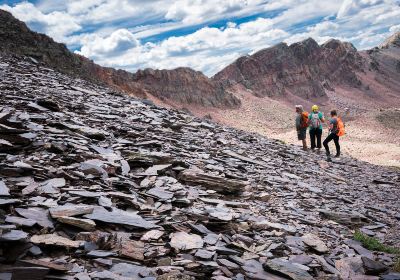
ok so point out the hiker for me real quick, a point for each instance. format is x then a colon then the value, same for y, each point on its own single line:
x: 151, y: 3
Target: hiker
x: 315, y: 120
x: 301, y: 125
x: 336, y: 129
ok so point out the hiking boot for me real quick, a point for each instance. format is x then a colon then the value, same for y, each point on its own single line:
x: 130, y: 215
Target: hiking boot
x: 337, y: 155
x: 329, y: 159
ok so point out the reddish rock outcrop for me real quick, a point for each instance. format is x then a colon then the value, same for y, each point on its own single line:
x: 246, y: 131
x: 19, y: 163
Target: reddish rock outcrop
x: 185, y: 86
x: 116, y: 78
x: 304, y: 69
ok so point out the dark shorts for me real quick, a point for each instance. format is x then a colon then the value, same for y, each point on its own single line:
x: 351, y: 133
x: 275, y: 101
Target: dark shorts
x: 302, y: 133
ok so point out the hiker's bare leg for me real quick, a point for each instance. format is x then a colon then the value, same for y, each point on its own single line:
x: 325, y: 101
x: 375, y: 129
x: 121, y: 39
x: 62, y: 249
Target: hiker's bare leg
x: 304, y: 144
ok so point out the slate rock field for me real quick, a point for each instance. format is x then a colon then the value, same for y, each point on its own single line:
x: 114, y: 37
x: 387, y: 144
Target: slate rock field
x: 95, y: 184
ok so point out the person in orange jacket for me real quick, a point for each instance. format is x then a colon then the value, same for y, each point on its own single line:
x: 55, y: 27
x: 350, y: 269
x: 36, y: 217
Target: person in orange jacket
x: 336, y: 129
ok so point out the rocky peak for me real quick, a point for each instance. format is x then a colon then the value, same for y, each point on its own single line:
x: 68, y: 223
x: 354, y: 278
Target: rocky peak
x: 280, y: 49
x: 304, y: 49
x: 392, y: 41
x: 310, y: 42
x: 304, y: 69
x: 17, y: 38
x: 339, y: 46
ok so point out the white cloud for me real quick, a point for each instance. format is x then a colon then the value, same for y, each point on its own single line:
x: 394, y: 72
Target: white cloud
x: 82, y: 7
x: 351, y: 7
x: 197, y: 11
x: 48, y: 6
x: 119, y: 41
x: 394, y: 28
x: 109, y: 11
x: 114, y: 32
x: 364, y: 23
x: 323, y: 27
x: 304, y: 11
x: 208, y: 49
x: 56, y: 24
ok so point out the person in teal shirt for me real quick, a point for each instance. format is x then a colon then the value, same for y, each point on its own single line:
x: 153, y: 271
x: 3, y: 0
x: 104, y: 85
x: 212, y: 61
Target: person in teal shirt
x: 315, y: 120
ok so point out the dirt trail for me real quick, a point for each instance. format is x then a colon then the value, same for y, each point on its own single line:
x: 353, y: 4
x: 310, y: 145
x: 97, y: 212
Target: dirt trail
x: 370, y: 136
x: 361, y: 143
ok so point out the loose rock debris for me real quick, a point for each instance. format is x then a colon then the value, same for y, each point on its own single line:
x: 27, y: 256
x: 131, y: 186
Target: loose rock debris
x: 98, y: 185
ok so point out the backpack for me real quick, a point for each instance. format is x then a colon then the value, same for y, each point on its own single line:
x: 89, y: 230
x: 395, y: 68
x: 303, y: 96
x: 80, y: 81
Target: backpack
x: 315, y: 121
x: 340, y: 127
x: 304, y: 120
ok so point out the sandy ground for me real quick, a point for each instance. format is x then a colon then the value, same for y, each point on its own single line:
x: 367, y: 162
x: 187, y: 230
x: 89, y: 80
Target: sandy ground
x: 366, y: 138
x: 360, y: 142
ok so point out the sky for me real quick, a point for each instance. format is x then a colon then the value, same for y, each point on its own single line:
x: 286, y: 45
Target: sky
x: 206, y: 35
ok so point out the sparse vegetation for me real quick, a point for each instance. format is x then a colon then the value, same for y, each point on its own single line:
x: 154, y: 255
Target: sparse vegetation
x: 374, y: 244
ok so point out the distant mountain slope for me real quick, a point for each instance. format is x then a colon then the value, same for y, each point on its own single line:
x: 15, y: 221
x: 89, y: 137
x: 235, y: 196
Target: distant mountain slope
x: 331, y: 73
x: 179, y: 87
x: 385, y: 62
x: 185, y: 86
x: 392, y: 41
x: 308, y: 70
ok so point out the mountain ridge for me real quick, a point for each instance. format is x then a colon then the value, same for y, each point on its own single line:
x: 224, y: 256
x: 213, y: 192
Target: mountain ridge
x: 97, y: 184
x: 300, y: 72
x: 304, y: 68
x: 17, y: 38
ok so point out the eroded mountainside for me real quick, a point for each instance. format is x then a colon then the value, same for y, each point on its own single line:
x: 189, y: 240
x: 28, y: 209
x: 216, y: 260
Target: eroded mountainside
x: 95, y: 184
x: 179, y: 87
x: 332, y: 73
x: 304, y: 69
x: 309, y: 72
x: 185, y: 86
x: 385, y: 60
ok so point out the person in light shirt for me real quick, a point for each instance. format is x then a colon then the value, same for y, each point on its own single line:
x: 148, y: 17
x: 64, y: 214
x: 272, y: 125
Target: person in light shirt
x: 315, y: 120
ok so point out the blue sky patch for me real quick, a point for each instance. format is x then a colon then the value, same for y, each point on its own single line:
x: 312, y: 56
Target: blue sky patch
x: 203, y: 34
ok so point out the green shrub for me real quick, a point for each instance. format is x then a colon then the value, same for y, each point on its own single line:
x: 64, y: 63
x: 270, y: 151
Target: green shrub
x: 373, y: 244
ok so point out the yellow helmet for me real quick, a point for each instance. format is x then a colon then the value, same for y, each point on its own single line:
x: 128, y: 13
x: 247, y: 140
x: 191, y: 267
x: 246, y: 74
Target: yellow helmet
x: 314, y: 108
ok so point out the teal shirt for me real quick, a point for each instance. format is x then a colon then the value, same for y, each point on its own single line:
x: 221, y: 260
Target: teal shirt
x: 320, y: 116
